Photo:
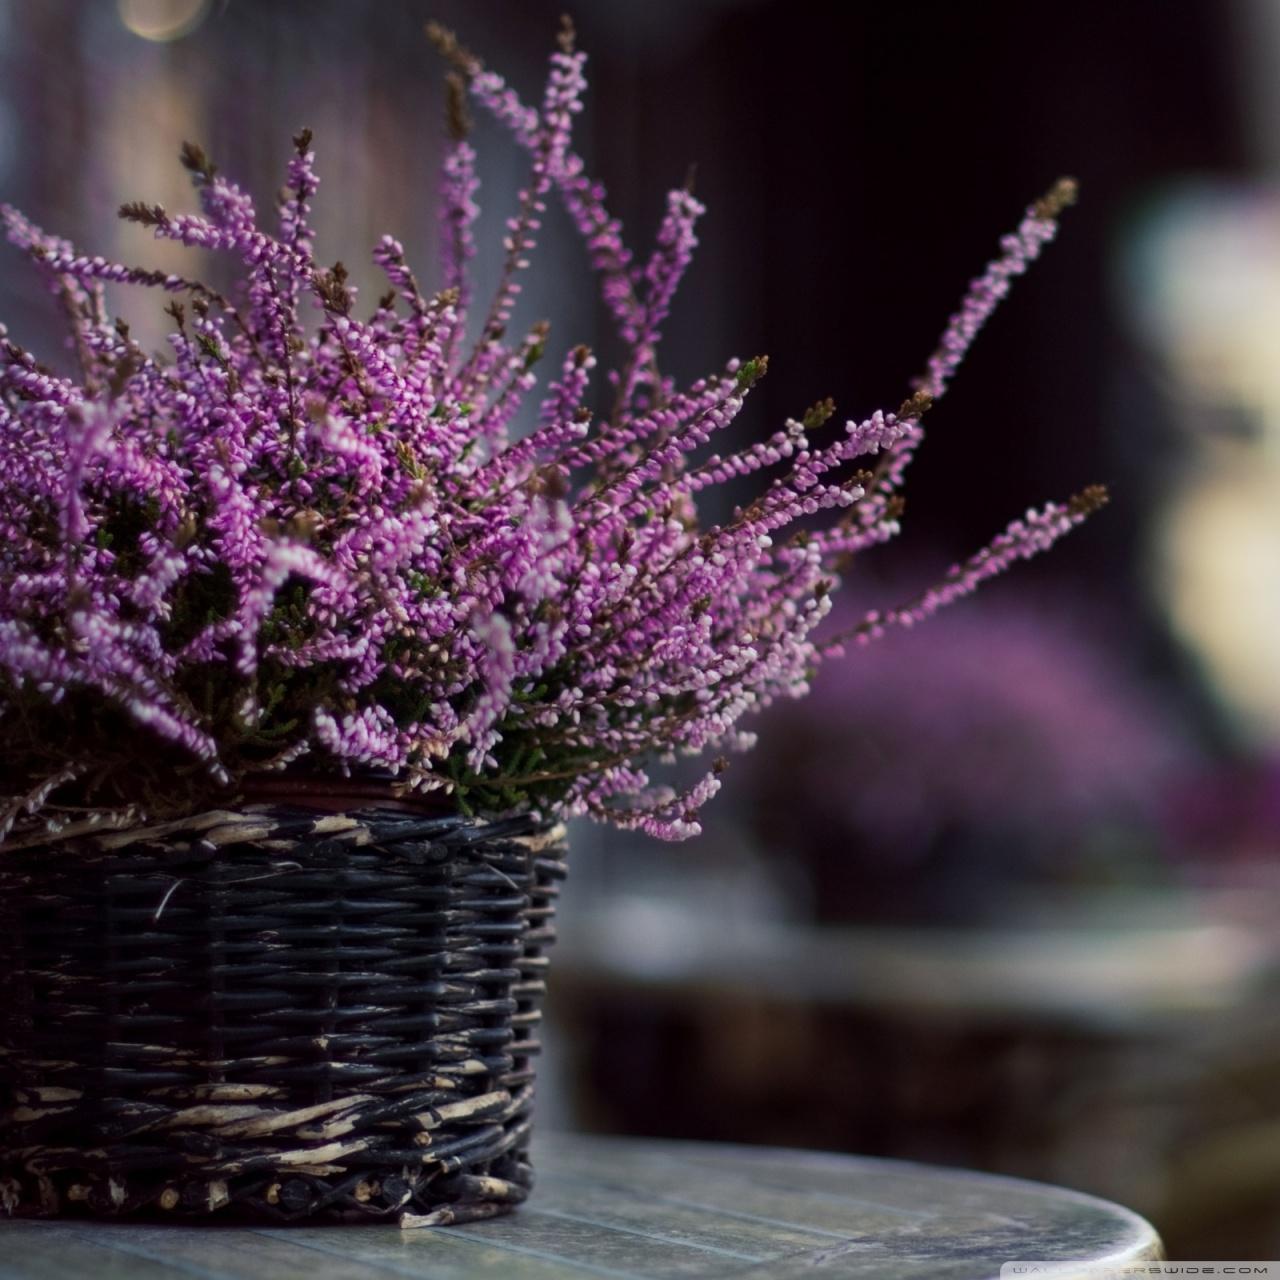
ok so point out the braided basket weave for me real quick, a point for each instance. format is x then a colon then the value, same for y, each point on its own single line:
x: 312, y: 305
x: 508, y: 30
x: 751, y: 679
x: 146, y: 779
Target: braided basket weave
x: 277, y: 1012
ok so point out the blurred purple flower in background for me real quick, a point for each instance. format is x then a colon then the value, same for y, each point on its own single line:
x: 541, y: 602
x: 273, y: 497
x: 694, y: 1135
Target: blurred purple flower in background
x: 1002, y: 731
x: 1226, y: 819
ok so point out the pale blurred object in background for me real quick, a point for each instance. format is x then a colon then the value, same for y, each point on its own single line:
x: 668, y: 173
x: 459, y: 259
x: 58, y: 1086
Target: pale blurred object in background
x: 163, y: 20
x: 1201, y: 284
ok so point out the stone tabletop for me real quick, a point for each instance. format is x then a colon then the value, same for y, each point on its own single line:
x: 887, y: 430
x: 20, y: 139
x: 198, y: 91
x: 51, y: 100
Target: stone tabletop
x: 641, y: 1210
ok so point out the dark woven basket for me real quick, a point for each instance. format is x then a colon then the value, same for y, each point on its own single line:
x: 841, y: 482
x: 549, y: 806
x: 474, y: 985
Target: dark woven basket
x: 276, y: 1012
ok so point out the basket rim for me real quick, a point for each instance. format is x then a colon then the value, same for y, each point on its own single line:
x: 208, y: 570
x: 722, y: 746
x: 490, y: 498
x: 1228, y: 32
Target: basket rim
x: 336, y: 793
x: 240, y: 823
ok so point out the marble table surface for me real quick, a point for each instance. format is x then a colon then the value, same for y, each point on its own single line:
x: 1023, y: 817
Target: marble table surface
x: 640, y: 1210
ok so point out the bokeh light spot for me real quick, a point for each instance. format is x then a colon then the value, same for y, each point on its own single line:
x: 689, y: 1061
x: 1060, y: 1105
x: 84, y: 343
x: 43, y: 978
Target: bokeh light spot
x: 162, y: 20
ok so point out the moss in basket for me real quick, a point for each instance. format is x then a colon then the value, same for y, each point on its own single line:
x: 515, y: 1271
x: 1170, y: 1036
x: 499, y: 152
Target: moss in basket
x: 308, y: 536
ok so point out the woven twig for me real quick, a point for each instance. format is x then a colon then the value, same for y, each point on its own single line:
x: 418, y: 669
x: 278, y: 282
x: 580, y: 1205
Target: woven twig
x: 275, y: 1012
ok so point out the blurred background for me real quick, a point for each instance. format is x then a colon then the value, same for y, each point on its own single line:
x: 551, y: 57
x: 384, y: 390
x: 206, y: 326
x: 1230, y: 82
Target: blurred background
x: 1003, y: 893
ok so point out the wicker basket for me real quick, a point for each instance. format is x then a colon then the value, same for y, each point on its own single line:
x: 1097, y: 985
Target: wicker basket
x: 288, y: 1014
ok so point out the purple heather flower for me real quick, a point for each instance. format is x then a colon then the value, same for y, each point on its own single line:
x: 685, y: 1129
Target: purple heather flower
x: 308, y: 538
